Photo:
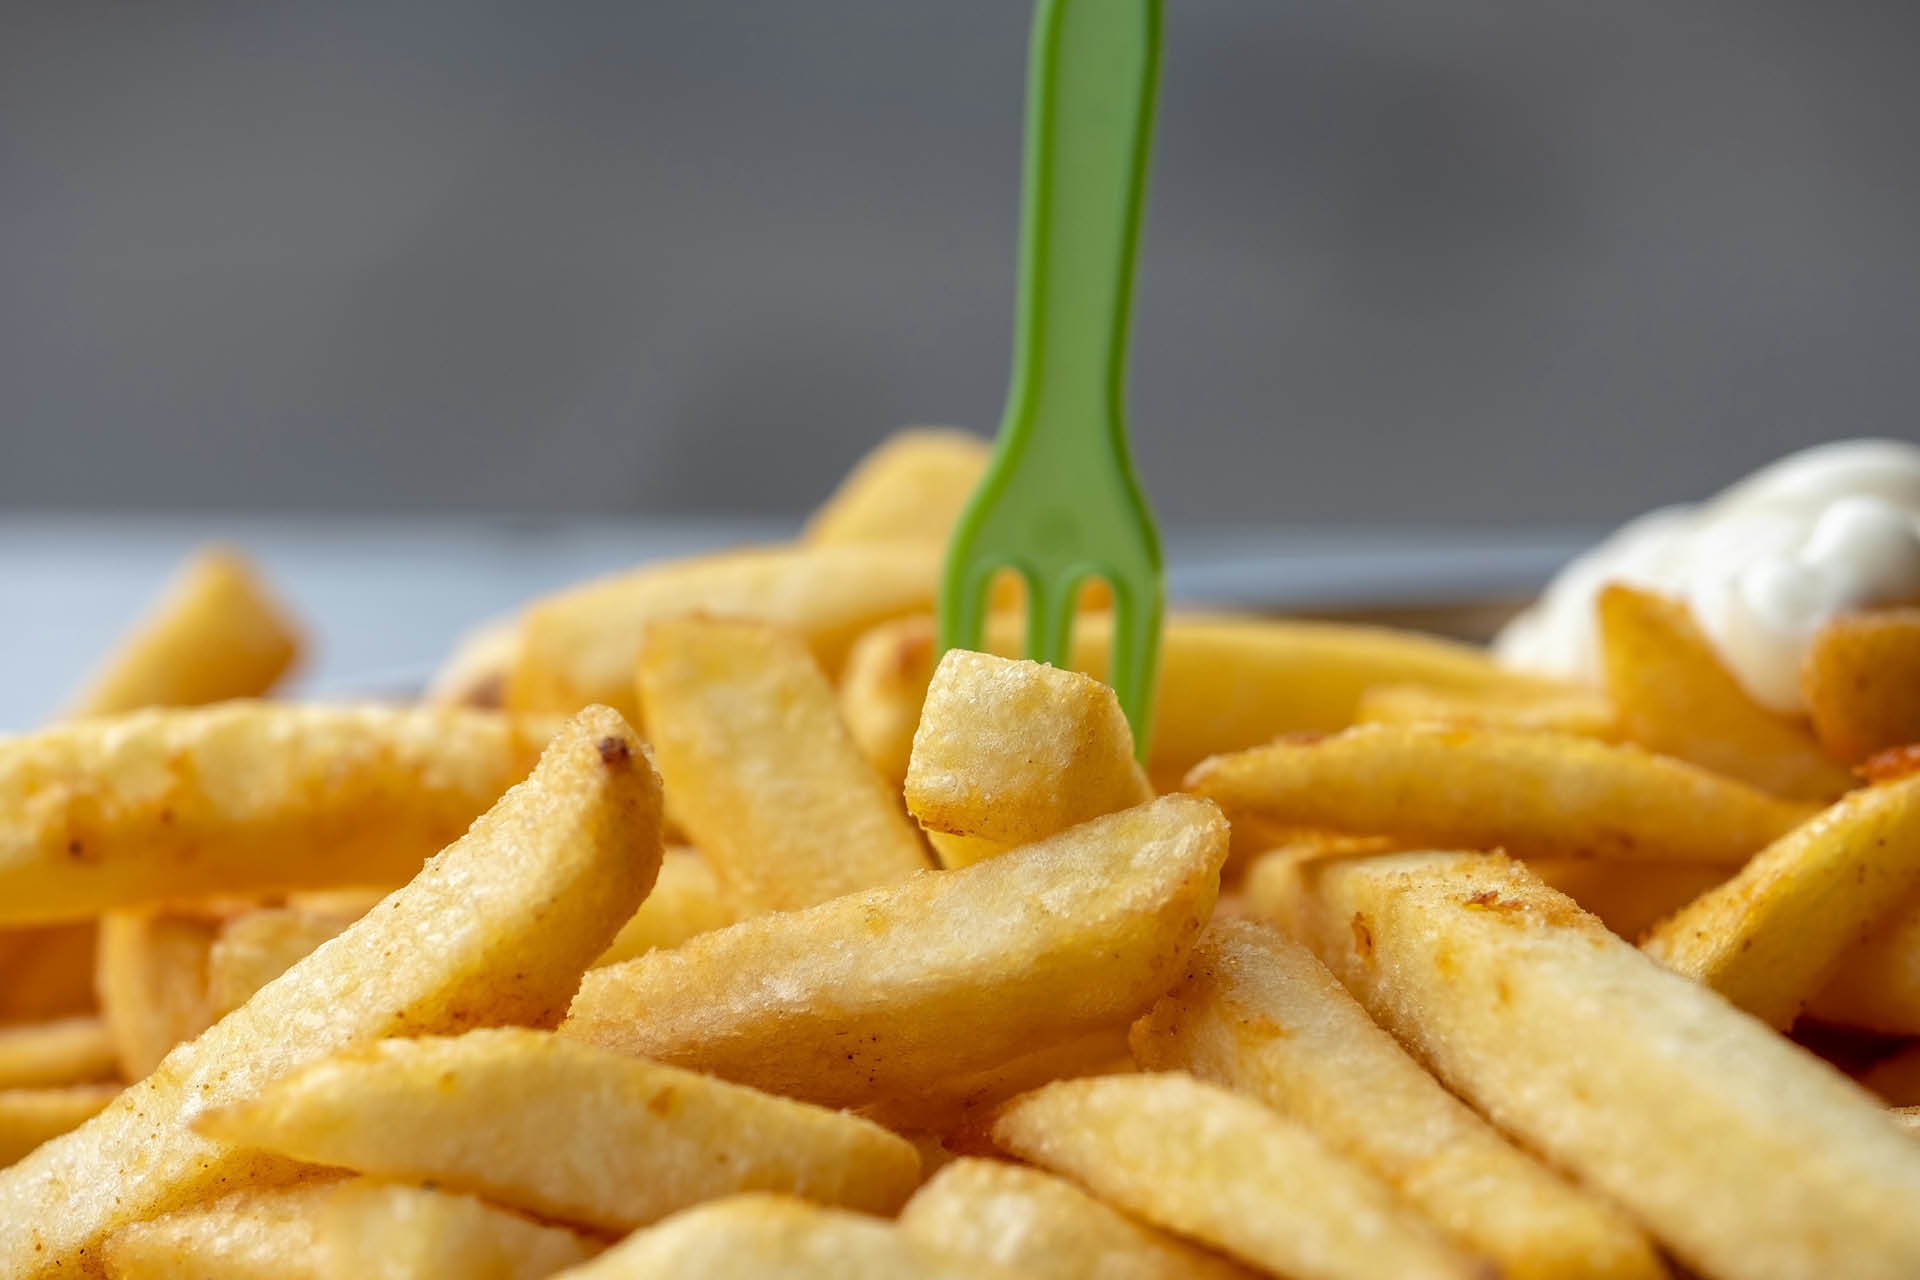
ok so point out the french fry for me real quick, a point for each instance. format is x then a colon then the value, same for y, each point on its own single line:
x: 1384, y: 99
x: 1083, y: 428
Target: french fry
x: 1906, y: 1120
x: 687, y: 901
x: 951, y: 1104
x: 1580, y: 712
x: 1896, y: 1078
x: 495, y: 930
x: 271, y: 1234
x: 1205, y: 1163
x: 152, y: 982
x: 1646, y: 1086
x: 475, y: 674
x: 46, y: 972
x: 215, y: 635
x: 1862, y: 682
x: 563, y: 1130
x: 763, y: 775
x: 1009, y: 752
x: 29, y: 1117
x: 885, y: 993
x: 763, y: 1236
x: 255, y: 947
x: 1531, y: 794
x: 240, y: 798
x: 882, y: 688
x: 69, y: 1051
x: 1877, y: 986
x: 1772, y: 936
x: 1047, y: 1228
x: 579, y: 646
x: 1629, y: 897
x: 1674, y: 696
x: 909, y: 489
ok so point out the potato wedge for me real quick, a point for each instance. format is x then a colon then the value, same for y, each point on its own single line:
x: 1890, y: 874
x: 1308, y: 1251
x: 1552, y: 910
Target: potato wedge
x: 955, y: 1103
x: 1047, y: 1228
x: 687, y: 901
x: 241, y: 798
x: 579, y: 646
x: 563, y: 1130
x: 763, y: 775
x: 1009, y: 752
x: 152, y: 982
x: 910, y: 488
x: 1572, y: 710
x: 216, y: 634
x: 1646, y: 1086
x: 1772, y: 936
x: 1862, y: 682
x: 255, y: 947
x: 46, y: 972
x: 29, y: 1117
x: 1896, y: 1078
x: 69, y: 1051
x: 495, y: 930
x: 885, y: 993
x: 1877, y: 987
x: 1673, y: 696
x: 763, y: 1236
x: 1531, y: 794
x: 1202, y: 1162
x: 1257, y: 1013
x: 1629, y: 897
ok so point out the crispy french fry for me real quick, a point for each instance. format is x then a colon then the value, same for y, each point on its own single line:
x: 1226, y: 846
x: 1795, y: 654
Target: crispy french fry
x: 69, y: 1051
x: 1775, y: 934
x: 687, y: 901
x: 1896, y: 1078
x: 1862, y: 682
x: 495, y: 930
x: 1907, y: 1120
x: 1008, y: 752
x: 215, y: 635
x: 1531, y: 794
x: 29, y: 1117
x: 1256, y: 1012
x: 1047, y: 1228
x: 1572, y: 710
x: 579, y: 646
x: 475, y: 674
x: 255, y: 947
x: 951, y: 1104
x: 911, y: 488
x: 884, y: 993
x: 152, y: 982
x: 763, y: 1236
x: 46, y: 972
x: 1271, y: 888
x: 763, y: 775
x: 1629, y: 897
x: 1645, y: 1085
x: 1203, y: 1162
x: 882, y: 688
x: 1673, y: 696
x: 240, y: 798
x: 563, y: 1130
x: 1877, y: 987
x: 271, y: 1234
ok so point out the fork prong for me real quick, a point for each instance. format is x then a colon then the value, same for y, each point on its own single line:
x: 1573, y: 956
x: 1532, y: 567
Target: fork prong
x: 1050, y: 604
x: 962, y: 620
x: 1137, y: 610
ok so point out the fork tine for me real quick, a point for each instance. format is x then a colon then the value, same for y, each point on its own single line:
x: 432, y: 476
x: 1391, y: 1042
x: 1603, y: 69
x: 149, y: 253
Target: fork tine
x: 962, y: 622
x: 1137, y: 610
x: 1050, y: 604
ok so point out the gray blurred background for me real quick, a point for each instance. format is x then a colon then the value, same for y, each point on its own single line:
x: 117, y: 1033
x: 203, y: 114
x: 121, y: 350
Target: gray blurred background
x: 1408, y: 262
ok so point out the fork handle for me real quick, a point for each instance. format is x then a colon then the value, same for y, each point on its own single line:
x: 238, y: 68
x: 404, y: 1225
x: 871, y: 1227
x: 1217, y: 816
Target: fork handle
x: 1091, y: 75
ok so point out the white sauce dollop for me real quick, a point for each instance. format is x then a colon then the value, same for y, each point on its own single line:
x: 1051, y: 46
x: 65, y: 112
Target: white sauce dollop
x: 1764, y: 565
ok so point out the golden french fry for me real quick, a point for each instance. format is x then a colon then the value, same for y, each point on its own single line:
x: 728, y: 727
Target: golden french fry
x: 1645, y: 1085
x: 475, y: 674
x: 1862, y: 682
x: 1009, y: 752
x: 1629, y: 897
x: 882, y: 688
x: 1673, y: 695
x: 1256, y: 1012
x: 255, y: 947
x: 884, y: 993
x: 1877, y: 986
x: 579, y: 646
x: 495, y: 930
x: 563, y: 1130
x: 240, y: 798
x: 1580, y: 712
x: 763, y: 775
x: 911, y: 488
x: 69, y: 1051
x: 215, y: 635
x: 1047, y: 1228
x: 763, y: 1236
x: 1531, y: 794
x: 1775, y: 934
x: 1896, y: 1078
x: 951, y: 1104
x: 152, y: 982
x: 1907, y: 1120
x: 687, y: 900
x: 1203, y: 1162
x: 29, y: 1117
x: 46, y: 972
x: 271, y: 1234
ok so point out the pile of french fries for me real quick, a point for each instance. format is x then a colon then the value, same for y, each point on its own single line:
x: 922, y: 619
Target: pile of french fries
x: 699, y: 922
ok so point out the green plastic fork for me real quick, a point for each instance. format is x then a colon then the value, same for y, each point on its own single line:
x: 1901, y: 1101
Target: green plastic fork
x: 1060, y: 504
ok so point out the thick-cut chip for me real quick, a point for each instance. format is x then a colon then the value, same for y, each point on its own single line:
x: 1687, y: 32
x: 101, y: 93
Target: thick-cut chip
x: 70, y: 1051
x: 1203, y: 1162
x: 1896, y: 1078
x: 255, y: 947
x: 1877, y: 987
x: 153, y: 983
x: 249, y: 1235
x: 563, y: 1129
x: 1577, y: 711
x: 759, y: 1235
x: 1674, y: 696
x: 1009, y: 752
x: 215, y: 635
x: 1645, y: 1085
x: 495, y: 930
x: 884, y: 993
x: 240, y: 798
x: 911, y: 488
x: 1256, y: 1012
x: 1530, y: 794
x: 952, y: 1104
x: 46, y: 972
x: 1629, y: 897
x: 687, y: 901
x: 1862, y: 682
x: 579, y: 646
x: 763, y: 775
x: 1047, y: 1228
x: 1775, y: 934
x: 29, y: 1117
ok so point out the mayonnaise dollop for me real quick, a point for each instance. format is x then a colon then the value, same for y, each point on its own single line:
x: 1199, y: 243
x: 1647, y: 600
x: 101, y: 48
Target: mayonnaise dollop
x: 1764, y: 566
